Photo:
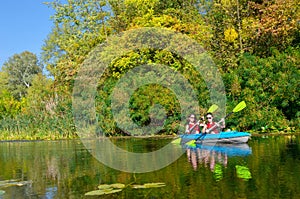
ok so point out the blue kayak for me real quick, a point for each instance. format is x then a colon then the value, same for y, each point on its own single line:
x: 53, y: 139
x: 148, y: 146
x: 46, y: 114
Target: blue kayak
x: 222, y: 137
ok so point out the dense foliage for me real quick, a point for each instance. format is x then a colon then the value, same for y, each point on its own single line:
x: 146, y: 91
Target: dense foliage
x: 255, y: 45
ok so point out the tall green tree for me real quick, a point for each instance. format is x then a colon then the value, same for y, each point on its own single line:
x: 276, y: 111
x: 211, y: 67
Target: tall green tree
x: 78, y: 27
x: 181, y: 16
x: 41, y: 96
x: 21, y: 68
x: 125, y: 11
x: 235, y: 32
x: 3, y: 80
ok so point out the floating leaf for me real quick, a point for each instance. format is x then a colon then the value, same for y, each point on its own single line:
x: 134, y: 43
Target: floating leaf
x: 154, y: 185
x: 243, y: 172
x: 22, y: 183
x: 149, y: 185
x: 118, y: 186
x: 104, y: 186
x: 137, y: 186
x: 114, y: 186
x: 9, y: 183
x: 102, y: 192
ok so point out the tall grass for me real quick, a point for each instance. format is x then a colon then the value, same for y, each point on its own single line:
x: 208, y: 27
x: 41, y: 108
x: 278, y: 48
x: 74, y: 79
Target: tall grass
x: 37, y: 127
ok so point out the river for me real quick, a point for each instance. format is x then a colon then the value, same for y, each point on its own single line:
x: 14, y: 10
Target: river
x: 266, y: 167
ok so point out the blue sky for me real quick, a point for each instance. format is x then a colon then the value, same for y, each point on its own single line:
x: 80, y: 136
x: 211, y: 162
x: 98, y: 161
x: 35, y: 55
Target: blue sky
x: 25, y: 25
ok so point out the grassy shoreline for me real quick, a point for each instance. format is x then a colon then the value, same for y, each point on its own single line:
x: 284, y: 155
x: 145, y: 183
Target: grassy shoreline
x: 8, y: 136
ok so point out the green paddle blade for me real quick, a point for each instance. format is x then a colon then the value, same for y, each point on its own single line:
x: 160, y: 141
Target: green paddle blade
x: 239, y: 107
x: 191, y: 143
x: 243, y: 172
x: 176, y: 141
x: 213, y: 108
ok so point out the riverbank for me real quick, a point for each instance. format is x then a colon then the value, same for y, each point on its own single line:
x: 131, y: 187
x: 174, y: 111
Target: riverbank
x: 24, y: 136
x: 8, y: 136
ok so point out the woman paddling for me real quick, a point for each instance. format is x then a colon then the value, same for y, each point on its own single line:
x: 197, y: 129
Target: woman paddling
x: 192, y: 127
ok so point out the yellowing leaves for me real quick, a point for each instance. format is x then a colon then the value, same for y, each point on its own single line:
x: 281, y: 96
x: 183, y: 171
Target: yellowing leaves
x: 276, y: 25
x: 250, y: 26
x: 150, y: 20
x: 230, y: 34
x: 226, y: 2
x: 140, y: 7
x: 9, y: 107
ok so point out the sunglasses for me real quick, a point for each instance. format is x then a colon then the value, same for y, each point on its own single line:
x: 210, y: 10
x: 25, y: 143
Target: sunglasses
x: 208, y: 118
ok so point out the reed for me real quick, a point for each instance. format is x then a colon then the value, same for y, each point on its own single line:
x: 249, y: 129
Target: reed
x: 26, y: 127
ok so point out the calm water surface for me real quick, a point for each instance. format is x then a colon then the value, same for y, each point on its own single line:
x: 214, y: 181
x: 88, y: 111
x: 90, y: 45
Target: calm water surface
x: 266, y: 167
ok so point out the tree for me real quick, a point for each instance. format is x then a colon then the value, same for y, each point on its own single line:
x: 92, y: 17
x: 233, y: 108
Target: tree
x: 21, y: 68
x: 254, y: 27
x: 78, y: 27
x: 272, y: 24
x: 41, y: 96
x: 3, y: 80
x: 228, y: 43
x: 270, y: 88
x: 235, y: 32
x: 9, y: 106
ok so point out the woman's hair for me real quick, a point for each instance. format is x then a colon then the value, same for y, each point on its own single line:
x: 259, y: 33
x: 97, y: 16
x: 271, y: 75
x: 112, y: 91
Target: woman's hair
x: 188, y: 119
x: 209, y: 114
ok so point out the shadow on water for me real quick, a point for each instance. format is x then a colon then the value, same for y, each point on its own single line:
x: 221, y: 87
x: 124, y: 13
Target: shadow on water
x: 292, y: 149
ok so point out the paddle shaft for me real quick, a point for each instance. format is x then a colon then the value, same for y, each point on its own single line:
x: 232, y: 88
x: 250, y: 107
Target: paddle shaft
x: 216, y: 125
x: 238, y: 108
x: 213, y: 127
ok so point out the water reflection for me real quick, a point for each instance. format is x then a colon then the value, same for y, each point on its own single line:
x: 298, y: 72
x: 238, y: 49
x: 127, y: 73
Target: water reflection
x: 210, y: 155
x: 269, y: 168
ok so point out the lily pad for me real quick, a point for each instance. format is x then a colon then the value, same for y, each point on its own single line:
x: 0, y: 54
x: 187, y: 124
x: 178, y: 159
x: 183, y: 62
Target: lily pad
x: 102, y: 192
x: 4, y: 182
x: 138, y: 186
x: 9, y: 183
x: 154, y: 185
x: 149, y: 185
x: 104, y: 186
x: 114, y: 186
x: 118, y: 186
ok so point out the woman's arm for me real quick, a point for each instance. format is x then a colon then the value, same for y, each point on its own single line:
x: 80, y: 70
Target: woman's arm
x: 187, y: 130
x: 204, y: 128
x: 222, y: 123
